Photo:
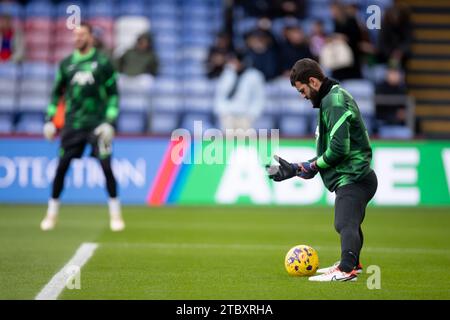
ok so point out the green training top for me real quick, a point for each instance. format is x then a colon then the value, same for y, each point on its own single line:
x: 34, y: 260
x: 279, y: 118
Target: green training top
x: 343, y: 148
x: 88, y: 83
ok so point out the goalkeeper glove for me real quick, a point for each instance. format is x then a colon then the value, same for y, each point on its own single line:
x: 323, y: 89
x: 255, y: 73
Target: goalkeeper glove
x: 105, y: 132
x: 285, y: 170
x: 308, y: 170
x: 49, y: 130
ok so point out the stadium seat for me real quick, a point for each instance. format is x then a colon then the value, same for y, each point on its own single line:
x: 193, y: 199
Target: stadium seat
x: 13, y: 9
x: 7, y: 102
x: 395, y: 132
x: 169, y: 70
x: 134, y: 103
x: 165, y: 86
x: 319, y: 10
x: 132, y: 122
x: 198, y: 103
x: 9, y: 70
x: 131, y: 8
x: 38, y: 52
x: 363, y: 91
x: 163, y: 122
x: 199, y: 87
x: 140, y: 85
x: 295, y: 105
x: 164, y: 24
x: 376, y: 73
x: 294, y: 126
x: 165, y: 9
x: 33, y: 102
x: 62, y: 7
x: 170, y: 57
x: 37, y: 25
x: 197, y: 40
x: 100, y: 9
x: 166, y: 91
x: 195, y: 53
x: 359, y: 87
x: 30, y: 123
x: 245, y: 25
x: 366, y: 106
x: 265, y: 121
x: 37, y: 70
x: 193, y: 70
x: 6, y: 123
x: 60, y: 53
x: 189, y: 120
x: 38, y: 38
x: 162, y: 103
x: 35, y: 86
x: 7, y: 87
x: 39, y: 9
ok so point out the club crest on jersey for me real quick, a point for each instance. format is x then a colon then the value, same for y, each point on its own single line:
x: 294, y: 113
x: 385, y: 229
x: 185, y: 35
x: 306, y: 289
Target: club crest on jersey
x: 82, y: 78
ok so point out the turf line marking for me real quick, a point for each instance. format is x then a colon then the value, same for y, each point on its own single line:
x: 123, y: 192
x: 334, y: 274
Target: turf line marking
x: 57, y: 284
x: 167, y: 245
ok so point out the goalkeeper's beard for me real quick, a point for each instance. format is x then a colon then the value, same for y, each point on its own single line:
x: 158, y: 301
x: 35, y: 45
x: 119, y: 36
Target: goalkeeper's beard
x: 314, y: 96
x: 84, y: 47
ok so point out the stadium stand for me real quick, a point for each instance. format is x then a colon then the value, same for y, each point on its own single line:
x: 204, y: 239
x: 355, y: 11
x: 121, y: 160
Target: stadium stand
x: 183, y: 31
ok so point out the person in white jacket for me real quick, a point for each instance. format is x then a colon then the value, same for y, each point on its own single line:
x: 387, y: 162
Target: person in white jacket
x: 240, y: 96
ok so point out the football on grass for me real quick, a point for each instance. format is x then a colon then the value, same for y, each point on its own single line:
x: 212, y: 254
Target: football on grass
x: 301, y: 260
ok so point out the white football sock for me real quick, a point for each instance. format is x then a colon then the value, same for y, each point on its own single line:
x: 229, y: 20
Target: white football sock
x: 114, y: 208
x: 53, y: 208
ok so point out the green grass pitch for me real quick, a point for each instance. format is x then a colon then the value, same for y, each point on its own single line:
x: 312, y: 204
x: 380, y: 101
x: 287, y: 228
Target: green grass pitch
x: 221, y: 253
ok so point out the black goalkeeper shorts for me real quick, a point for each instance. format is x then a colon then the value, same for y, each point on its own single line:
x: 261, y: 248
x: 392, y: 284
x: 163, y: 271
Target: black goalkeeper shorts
x: 74, y: 141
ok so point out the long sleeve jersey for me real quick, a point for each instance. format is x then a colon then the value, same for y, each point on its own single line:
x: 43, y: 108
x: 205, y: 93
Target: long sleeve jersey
x: 88, y: 83
x: 343, y: 147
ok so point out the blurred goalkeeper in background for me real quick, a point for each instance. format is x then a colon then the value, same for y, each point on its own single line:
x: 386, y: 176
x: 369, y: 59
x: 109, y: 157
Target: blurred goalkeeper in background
x: 343, y: 161
x: 87, y: 80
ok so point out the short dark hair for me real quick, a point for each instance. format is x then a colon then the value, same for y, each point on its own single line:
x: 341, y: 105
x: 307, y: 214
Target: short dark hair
x: 305, y: 68
x: 87, y: 26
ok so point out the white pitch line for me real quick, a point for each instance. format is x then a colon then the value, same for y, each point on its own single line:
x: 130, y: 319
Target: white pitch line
x: 57, y: 284
x: 163, y: 245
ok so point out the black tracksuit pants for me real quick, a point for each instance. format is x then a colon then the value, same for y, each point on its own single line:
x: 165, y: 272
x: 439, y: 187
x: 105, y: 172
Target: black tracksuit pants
x: 350, y: 209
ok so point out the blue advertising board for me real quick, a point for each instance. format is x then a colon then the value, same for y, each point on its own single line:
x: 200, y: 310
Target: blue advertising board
x: 27, y: 168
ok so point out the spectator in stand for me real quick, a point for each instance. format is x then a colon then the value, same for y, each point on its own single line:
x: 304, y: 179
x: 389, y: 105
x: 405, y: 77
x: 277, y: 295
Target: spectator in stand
x: 12, y: 47
x: 139, y: 60
x: 347, y: 28
x: 294, y: 47
x: 395, y: 36
x: 365, y: 46
x: 217, y: 56
x: 256, y: 8
x: 273, y: 8
x: 263, y: 52
x: 98, y: 43
x: 317, y: 39
x: 393, y: 84
x: 240, y: 96
x: 289, y: 8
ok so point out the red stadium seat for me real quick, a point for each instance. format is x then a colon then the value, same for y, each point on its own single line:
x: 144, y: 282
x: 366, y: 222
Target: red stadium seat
x: 38, y: 25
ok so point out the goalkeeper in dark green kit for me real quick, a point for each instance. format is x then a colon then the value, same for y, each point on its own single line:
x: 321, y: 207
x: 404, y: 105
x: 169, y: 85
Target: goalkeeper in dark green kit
x: 87, y: 81
x: 343, y: 161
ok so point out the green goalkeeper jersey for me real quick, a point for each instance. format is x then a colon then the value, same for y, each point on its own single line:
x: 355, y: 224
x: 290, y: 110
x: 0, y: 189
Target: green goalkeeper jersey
x: 88, y: 83
x: 343, y: 148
